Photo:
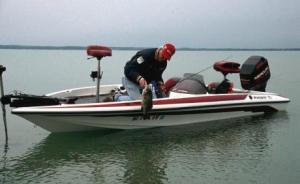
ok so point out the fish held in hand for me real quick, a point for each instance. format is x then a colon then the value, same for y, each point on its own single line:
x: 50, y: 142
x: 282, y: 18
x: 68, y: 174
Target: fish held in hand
x: 147, y: 102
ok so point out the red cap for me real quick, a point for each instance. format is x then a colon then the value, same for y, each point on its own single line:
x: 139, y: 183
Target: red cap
x: 168, y: 50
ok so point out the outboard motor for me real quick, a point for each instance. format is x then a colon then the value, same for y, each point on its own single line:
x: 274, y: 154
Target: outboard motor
x: 255, y: 73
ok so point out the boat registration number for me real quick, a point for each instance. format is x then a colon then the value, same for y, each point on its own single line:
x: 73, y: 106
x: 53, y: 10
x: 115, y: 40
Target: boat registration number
x: 152, y: 117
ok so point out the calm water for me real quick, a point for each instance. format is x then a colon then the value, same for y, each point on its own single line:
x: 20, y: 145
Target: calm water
x: 264, y: 149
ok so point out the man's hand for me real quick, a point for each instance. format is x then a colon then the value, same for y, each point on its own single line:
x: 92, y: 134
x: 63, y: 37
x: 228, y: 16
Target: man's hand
x: 161, y: 86
x: 142, y: 83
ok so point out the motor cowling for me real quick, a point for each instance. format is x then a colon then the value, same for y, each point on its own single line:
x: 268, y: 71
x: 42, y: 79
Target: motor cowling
x: 255, y: 73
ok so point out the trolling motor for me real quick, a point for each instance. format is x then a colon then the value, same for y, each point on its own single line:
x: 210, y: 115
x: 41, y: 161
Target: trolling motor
x: 225, y: 67
x: 2, y: 69
x: 98, y: 52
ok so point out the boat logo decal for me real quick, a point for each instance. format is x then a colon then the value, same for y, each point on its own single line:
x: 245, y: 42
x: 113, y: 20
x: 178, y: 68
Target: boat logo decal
x: 259, y: 97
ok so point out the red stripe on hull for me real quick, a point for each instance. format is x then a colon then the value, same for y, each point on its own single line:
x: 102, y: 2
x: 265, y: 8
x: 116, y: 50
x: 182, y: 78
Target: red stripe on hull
x: 214, y: 98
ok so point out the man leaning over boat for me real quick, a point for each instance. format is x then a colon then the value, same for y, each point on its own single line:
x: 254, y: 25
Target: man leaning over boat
x: 146, y: 67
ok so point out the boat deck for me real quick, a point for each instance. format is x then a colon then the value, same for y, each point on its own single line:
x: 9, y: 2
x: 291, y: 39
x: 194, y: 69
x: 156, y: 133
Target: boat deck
x: 92, y: 99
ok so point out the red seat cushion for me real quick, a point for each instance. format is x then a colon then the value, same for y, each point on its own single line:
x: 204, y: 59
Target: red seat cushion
x: 98, y: 51
x: 227, y: 67
x: 170, y: 83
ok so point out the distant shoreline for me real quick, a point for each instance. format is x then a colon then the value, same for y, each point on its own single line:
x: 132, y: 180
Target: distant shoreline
x: 138, y: 48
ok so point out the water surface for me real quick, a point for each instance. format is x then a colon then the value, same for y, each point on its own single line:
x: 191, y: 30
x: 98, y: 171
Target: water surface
x: 262, y: 149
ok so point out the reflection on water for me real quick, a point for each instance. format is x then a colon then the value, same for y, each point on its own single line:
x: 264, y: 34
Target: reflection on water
x: 204, y: 153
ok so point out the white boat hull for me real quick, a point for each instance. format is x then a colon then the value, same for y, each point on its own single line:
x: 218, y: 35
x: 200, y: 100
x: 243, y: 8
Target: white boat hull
x: 177, y: 110
x: 86, y: 123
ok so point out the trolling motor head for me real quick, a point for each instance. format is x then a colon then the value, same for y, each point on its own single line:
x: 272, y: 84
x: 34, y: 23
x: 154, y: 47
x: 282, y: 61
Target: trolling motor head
x: 2, y: 69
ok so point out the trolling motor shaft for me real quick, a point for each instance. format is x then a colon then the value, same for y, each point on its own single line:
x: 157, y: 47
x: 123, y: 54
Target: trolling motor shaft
x: 2, y: 69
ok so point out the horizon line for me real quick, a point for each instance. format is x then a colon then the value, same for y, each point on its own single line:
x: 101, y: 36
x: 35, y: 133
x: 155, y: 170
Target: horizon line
x: 39, y: 47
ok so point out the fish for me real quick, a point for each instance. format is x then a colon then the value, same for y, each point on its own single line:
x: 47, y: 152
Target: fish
x: 147, y: 101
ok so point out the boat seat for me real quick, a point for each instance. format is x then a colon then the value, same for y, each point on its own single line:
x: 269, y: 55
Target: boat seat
x: 170, y: 83
x: 227, y: 67
x: 220, y: 88
x: 98, y: 51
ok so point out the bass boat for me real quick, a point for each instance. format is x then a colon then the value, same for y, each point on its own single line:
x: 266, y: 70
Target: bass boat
x: 188, y: 100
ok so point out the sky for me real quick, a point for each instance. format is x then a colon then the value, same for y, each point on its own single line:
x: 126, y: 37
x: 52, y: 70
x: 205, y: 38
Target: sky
x: 140, y: 23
